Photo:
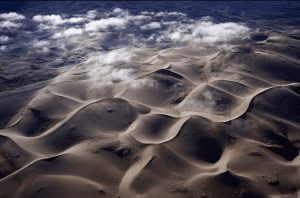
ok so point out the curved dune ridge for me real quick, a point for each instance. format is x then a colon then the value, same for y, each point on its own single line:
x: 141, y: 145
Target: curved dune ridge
x: 180, y: 122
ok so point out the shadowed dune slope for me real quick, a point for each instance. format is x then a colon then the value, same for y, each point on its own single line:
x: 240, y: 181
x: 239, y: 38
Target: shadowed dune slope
x: 178, y: 122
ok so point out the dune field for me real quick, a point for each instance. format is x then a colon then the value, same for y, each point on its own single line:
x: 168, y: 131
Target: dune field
x: 213, y: 117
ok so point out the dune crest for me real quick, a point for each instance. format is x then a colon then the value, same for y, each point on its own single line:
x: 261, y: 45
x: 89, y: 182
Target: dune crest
x: 178, y: 122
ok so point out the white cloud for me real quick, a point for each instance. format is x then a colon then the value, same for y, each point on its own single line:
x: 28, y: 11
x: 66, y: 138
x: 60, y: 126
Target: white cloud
x: 4, y: 39
x: 3, y: 48
x: 204, y: 31
x: 73, y: 31
x: 104, y: 66
x: 11, y: 16
x: 69, y: 32
x: 151, y: 26
x: 45, y: 49
x: 222, y: 32
x: 74, y: 20
x: 50, y: 19
x: 119, y: 75
x: 143, y: 83
x: 161, y: 14
x: 169, y: 22
x: 107, y: 75
x: 136, y: 18
x: 45, y: 26
x: 206, y: 102
x: 9, y: 24
x: 172, y: 30
x: 118, y: 55
x: 91, y: 14
x: 118, y: 10
x: 40, y: 43
x: 8, y: 20
x: 124, y: 14
x: 147, y: 13
x: 175, y: 36
x: 206, y: 18
x: 103, y: 24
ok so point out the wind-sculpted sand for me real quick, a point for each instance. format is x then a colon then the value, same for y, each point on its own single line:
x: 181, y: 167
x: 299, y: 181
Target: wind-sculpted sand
x: 187, y: 121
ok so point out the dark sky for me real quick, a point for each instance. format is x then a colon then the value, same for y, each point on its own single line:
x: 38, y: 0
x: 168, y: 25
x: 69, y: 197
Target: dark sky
x: 283, y: 12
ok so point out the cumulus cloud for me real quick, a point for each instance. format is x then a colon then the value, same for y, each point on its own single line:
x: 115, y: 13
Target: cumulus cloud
x: 119, y: 55
x: 108, y: 75
x: 69, y: 32
x: 104, y: 66
x: 123, y: 31
x: 118, y: 10
x: 124, y: 14
x: 160, y: 14
x: 11, y: 16
x: 3, y: 48
x: 204, y: 31
x: 104, y: 24
x: 151, y: 26
x: 74, y: 20
x: 147, y: 13
x: 137, y: 19
x: 91, y: 14
x: 9, y: 24
x: 129, y: 29
x: 142, y: 83
x: 210, y: 32
x: 10, y: 20
x: 4, y: 39
x: 206, y: 18
x: 52, y: 21
x: 42, y: 45
x: 120, y: 75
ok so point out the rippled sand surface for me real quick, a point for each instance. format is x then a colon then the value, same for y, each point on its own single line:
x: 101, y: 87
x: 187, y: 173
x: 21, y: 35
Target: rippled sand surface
x: 192, y: 122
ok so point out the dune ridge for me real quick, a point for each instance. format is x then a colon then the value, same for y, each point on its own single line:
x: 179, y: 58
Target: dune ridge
x: 188, y: 122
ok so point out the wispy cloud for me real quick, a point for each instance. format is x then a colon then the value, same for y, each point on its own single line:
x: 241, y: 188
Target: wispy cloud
x: 205, y: 102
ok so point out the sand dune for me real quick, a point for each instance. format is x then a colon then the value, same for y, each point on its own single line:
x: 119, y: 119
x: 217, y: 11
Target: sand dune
x: 189, y: 122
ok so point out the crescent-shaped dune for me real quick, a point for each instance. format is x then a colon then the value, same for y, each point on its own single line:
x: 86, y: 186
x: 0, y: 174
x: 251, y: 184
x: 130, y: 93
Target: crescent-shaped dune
x: 193, y: 122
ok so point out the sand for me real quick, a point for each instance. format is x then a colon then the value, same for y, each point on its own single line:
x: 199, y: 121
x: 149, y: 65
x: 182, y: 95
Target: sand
x: 192, y: 122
